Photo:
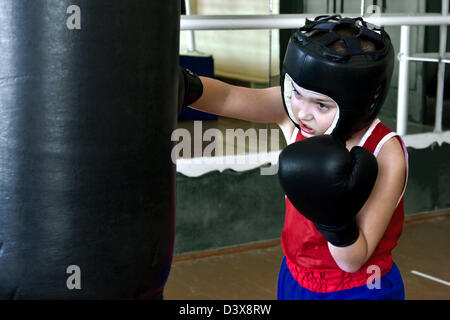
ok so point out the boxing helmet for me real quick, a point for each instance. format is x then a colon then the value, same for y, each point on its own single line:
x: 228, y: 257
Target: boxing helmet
x: 357, y: 81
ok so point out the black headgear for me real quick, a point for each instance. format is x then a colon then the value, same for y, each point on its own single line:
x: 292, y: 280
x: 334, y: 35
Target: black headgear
x: 357, y: 81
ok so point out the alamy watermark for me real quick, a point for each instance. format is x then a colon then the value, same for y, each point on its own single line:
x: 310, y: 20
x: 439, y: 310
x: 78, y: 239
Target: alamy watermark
x: 190, y: 145
x: 73, y: 22
x: 373, y: 282
x: 74, y: 280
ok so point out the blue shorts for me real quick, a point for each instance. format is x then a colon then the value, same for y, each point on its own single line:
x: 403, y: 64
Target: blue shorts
x: 390, y: 288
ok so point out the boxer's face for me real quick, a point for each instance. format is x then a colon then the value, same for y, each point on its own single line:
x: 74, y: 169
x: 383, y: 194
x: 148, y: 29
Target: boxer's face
x: 315, y: 112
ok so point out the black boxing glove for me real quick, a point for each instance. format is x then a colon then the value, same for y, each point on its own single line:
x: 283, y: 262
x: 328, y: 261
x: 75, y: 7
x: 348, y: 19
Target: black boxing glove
x: 328, y: 184
x: 190, y: 88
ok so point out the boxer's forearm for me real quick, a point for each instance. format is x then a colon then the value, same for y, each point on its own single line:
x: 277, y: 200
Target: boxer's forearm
x: 350, y: 258
x: 249, y: 104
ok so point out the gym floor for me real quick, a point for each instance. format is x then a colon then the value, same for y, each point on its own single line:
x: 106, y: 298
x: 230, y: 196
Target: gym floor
x: 250, y: 271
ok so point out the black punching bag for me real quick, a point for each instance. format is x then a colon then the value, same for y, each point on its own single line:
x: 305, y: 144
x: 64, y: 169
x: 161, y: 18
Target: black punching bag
x: 88, y: 95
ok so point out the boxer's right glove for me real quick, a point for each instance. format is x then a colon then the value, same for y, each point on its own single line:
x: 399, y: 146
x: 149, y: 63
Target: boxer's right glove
x: 190, y: 88
x: 328, y: 184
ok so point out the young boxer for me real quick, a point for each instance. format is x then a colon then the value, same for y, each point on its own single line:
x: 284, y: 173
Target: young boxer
x: 344, y: 173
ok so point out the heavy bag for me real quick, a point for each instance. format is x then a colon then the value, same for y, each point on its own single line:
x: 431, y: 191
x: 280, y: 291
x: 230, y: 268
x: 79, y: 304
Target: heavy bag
x: 88, y: 95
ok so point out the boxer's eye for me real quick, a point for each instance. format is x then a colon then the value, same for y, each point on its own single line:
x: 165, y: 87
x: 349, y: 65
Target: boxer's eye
x: 323, y: 107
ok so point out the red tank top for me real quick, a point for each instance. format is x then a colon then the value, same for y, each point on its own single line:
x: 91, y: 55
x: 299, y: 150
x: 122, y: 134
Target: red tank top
x: 307, y: 255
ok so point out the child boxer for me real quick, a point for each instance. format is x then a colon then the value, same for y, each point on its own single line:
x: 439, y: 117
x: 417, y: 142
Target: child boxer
x: 344, y: 173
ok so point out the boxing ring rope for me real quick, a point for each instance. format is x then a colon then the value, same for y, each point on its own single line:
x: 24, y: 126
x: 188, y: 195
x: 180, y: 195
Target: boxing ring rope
x: 292, y: 21
x: 441, y: 70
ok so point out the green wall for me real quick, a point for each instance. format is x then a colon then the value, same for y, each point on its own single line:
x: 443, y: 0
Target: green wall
x: 224, y: 209
x: 428, y: 186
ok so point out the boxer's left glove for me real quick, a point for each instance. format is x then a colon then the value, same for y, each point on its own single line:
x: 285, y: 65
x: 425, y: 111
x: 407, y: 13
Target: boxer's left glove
x: 328, y: 184
x: 190, y: 88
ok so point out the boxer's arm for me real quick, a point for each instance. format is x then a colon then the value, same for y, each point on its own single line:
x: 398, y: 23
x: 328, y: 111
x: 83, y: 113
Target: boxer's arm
x: 256, y: 105
x: 375, y: 215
